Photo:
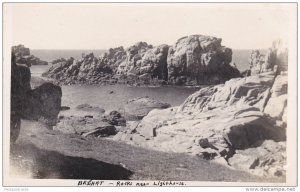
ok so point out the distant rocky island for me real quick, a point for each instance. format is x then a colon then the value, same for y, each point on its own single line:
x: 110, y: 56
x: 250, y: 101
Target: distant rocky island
x: 23, y: 56
x: 192, y: 60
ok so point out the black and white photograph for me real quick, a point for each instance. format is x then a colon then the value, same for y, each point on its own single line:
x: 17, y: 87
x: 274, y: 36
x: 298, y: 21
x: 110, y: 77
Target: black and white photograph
x: 149, y: 94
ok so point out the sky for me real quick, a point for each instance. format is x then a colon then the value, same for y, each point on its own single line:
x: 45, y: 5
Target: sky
x: 107, y: 25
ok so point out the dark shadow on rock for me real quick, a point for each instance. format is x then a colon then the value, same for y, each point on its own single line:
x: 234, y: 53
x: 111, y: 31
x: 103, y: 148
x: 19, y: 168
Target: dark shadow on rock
x: 45, y: 164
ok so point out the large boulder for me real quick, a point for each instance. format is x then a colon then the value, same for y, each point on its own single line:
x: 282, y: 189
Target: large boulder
x: 43, y: 103
x: 200, y: 59
x: 85, y: 126
x: 139, y: 107
x: 145, y: 63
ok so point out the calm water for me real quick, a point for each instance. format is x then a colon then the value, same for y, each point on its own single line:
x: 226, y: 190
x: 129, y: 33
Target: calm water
x: 97, y: 95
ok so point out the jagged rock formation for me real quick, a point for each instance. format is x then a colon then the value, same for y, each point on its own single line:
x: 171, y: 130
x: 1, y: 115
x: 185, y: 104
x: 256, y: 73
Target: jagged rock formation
x: 277, y: 56
x: 225, y: 123
x: 41, y: 103
x: 201, y: 59
x: 193, y: 60
x: 87, y: 70
x: 113, y: 58
x: 145, y: 63
x: 23, y: 56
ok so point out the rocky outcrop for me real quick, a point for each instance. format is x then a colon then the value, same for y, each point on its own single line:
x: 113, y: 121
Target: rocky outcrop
x: 213, y: 123
x: 199, y: 59
x: 193, y: 60
x: 276, y: 58
x: 277, y: 104
x: 113, y: 58
x: 231, y: 114
x: 237, y: 123
x: 267, y: 159
x: 85, y: 126
x: 20, y: 86
x: 41, y: 103
x: 145, y: 63
x: 23, y: 56
x: 20, y: 50
x: 87, y: 70
x: 104, y: 125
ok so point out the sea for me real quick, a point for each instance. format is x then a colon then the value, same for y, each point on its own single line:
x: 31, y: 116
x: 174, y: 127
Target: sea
x: 99, y: 95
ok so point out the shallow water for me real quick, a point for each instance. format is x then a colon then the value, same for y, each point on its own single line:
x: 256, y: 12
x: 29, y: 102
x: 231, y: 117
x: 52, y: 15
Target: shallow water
x: 100, y: 96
